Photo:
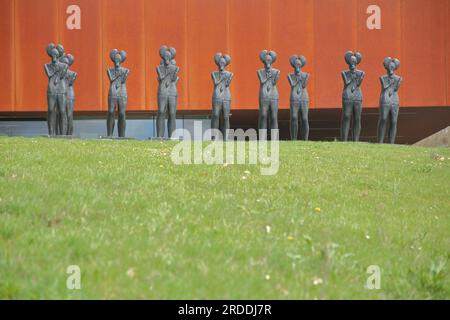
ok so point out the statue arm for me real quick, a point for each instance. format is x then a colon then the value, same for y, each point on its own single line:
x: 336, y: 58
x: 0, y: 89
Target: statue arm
x: 161, y: 77
x: 229, y: 79
x: 397, y: 83
x: 175, y: 77
x: 125, y: 76
x: 48, y: 72
x: 360, y: 80
x: 63, y: 72
x: 346, y: 80
x: 260, y: 77
x: 384, y: 83
x: 306, y: 80
x: 275, y: 79
x: 73, y: 77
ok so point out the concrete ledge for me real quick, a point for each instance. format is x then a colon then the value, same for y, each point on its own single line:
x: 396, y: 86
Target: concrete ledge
x: 439, y: 139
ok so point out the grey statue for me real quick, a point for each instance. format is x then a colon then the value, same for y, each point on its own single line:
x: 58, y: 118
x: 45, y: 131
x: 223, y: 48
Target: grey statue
x: 299, y: 100
x: 167, y: 90
x: 57, y: 89
x: 117, y: 96
x: 221, y: 100
x: 352, y: 96
x: 268, y: 92
x: 389, y: 100
x: 70, y: 97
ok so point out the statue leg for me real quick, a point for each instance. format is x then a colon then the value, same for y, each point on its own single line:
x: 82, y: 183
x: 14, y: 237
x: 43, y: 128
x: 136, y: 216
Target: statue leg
x: 58, y: 120
x: 393, y: 123
x: 122, y: 123
x: 62, y: 101
x: 294, y: 119
x: 110, y: 119
x: 226, y: 119
x: 263, y: 111
x: 384, y: 112
x: 51, y: 114
x: 215, y: 114
x: 357, y: 110
x: 304, y: 113
x: 172, y: 122
x: 70, y: 105
x: 161, y: 119
x: 347, y: 107
x: 274, y: 114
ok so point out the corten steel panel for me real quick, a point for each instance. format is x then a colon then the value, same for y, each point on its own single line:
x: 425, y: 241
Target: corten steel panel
x: 165, y: 25
x: 335, y: 33
x: 207, y: 34
x: 85, y: 45
x: 376, y: 44
x: 123, y: 29
x: 6, y: 48
x: 423, y: 52
x: 249, y: 26
x: 292, y: 32
x: 36, y: 25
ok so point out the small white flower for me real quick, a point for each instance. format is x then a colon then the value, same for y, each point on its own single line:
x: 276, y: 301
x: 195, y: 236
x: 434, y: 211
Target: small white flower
x: 268, y: 229
x: 317, y: 281
x: 267, y: 277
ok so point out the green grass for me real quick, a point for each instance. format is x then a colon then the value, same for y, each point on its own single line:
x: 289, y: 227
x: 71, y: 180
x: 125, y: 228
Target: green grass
x: 141, y: 227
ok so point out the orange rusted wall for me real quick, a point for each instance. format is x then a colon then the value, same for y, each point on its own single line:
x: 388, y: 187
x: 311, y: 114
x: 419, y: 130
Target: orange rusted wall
x: 416, y: 31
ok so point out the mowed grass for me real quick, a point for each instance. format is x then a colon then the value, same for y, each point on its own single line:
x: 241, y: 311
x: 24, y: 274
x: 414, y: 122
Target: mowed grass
x: 141, y: 227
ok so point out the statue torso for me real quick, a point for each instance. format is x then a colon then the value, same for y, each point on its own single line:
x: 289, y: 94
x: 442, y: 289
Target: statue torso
x: 56, y: 85
x: 168, y: 83
x: 390, y: 94
x: 70, y: 78
x: 268, y: 89
x: 222, y: 90
x: 299, y: 91
x: 352, y: 91
x: 118, y: 88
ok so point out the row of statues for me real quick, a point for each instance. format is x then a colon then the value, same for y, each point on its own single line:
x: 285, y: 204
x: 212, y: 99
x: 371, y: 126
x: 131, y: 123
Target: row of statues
x: 61, y: 96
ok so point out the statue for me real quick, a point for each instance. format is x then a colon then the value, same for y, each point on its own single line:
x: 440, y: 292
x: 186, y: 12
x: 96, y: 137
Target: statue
x: 117, y: 96
x: 70, y: 98
x: 57, y: 90
x: 221, y: 100
x: 352, y: 96
x: 299, y: 97
x: 167, y: 90
x: 389, y: 100
x: 268, y: 93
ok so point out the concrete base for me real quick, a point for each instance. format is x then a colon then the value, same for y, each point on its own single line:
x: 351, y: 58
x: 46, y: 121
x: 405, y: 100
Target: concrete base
x: 115, y: 138
x: 164, y: 139
x: 439, y: 139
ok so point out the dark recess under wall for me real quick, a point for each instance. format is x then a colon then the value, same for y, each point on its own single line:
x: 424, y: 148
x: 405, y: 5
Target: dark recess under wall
x: 415, y: 123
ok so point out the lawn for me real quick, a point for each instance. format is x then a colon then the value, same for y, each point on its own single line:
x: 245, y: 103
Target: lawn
x: 139, y: 226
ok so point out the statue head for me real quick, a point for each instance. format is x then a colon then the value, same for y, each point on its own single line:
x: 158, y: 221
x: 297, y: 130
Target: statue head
x: 297, y: 62
x: 67, y: 59
x: 117, y: 57
x: 353, y: 59
x: 391, y: 64
x: 55, y: 52
x: 70, y: 59
x: 222, y: 60
x: 268, y: 58
x: 167, y: 55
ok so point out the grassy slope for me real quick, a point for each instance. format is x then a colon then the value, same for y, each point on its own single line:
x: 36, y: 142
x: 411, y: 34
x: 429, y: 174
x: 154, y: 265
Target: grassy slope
x: 141, y: 227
